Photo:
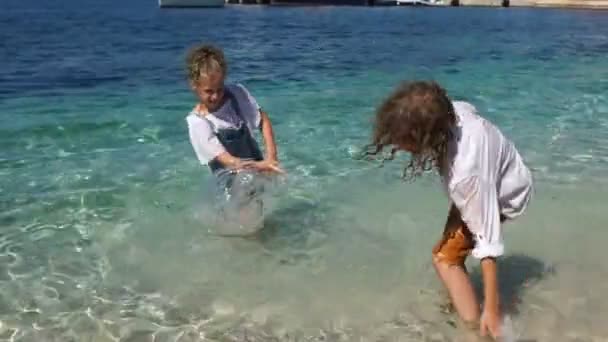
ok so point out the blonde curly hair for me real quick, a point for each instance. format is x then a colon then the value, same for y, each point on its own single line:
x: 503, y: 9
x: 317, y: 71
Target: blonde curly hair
x: 203, y: 60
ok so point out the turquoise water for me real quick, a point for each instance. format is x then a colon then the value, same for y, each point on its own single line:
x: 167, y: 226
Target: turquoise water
x: 102, y: 203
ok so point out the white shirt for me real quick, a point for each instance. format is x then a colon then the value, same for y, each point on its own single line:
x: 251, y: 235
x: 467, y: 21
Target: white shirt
x: 486, y: 178
x: 202, y: 127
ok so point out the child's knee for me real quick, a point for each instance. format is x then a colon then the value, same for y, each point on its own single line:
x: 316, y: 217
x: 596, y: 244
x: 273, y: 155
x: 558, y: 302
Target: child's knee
x: 437, y: 260
x: 443, y: 258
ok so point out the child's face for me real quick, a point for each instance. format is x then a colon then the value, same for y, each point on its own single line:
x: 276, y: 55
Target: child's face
x: 210, y: 90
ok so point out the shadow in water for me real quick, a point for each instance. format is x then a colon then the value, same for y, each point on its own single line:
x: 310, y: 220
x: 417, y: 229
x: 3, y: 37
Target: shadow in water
x: 290, y: 222
x: 515, y: 273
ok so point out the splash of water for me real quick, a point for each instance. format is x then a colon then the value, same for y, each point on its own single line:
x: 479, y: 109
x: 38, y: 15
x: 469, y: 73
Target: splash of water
x: 240, y: 202
x: 508, y: 331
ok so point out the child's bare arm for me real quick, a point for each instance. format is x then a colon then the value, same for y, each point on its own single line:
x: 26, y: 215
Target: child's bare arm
x: 491, y: 313
x: 268, y: 135
x: 230, y: 161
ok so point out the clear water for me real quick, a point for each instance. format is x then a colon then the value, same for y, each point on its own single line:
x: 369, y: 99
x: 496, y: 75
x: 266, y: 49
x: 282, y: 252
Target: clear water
x: 101, y: 232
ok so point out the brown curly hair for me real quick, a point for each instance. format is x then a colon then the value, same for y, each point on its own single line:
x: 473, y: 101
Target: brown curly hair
x: 204, y: 59
x: 418, y: 115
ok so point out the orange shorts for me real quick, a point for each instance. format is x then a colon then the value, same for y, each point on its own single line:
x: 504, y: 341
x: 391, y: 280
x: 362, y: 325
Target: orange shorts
x: 457, y: 241
x: 454, y: 246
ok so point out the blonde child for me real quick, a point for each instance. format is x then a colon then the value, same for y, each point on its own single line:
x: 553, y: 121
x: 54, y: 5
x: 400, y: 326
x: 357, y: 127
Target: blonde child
x: 221, y: 127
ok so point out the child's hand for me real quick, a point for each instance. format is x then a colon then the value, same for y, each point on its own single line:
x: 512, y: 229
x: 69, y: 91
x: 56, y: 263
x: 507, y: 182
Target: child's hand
x: 490, y: 323
x: 267, y: 165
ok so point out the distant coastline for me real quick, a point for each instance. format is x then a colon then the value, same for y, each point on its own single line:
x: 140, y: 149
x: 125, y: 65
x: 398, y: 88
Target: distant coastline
x: 568, y: 4
x: 572, y: 4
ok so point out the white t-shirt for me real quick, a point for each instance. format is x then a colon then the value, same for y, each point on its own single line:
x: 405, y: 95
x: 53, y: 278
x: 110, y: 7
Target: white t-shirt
x: 486, y: 178
x: 203, y: 128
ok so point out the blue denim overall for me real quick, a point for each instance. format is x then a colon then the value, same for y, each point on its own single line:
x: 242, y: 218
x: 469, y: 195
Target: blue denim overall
x: 240, y: 143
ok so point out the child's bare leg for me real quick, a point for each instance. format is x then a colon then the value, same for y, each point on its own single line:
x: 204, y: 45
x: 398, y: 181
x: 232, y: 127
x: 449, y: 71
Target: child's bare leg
x: 448, y: 259
x: 459, y: 287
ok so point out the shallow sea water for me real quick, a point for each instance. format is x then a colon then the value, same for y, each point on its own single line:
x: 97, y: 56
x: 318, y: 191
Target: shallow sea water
x: 103, y: 233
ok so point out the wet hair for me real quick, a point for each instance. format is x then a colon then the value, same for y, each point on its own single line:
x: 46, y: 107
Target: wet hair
x: 418, y: 115
x: 203, y: 60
